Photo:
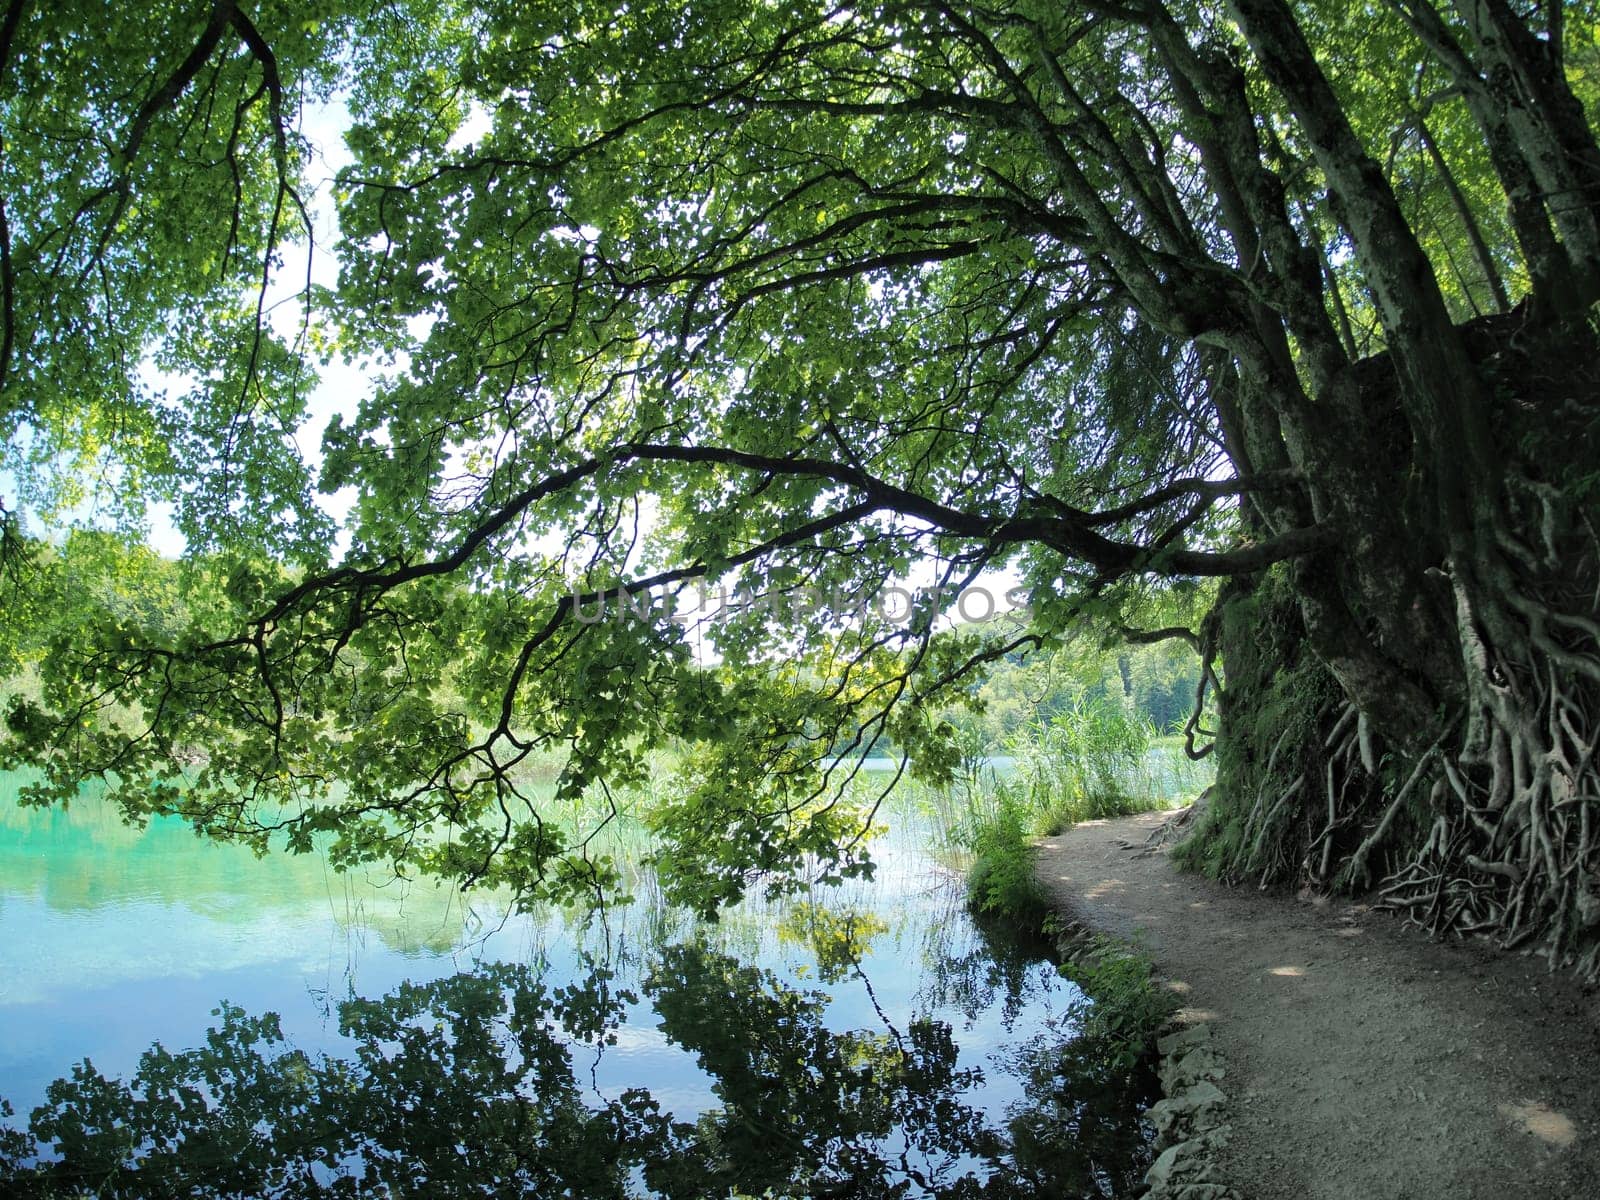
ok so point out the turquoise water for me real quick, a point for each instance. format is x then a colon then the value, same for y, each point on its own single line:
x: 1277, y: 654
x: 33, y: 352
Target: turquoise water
x: 931, y: 1039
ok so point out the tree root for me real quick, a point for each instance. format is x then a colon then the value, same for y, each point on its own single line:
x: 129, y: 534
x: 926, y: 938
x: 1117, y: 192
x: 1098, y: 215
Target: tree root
x: 1511, y: 852
x: 1487, y: 828
x: 1176, y: 827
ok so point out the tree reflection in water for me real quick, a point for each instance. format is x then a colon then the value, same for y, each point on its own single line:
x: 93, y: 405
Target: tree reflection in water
x: 466, y: 1087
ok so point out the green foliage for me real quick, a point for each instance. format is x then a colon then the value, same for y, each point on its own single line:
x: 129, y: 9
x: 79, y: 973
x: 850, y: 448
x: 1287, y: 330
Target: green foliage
x: 1001, y: 878
x: 1154, y: 683
x: 1082, y: 764
x: 146, y: 204
x: 1125, y: 1007
x: 789, y: 301
x: 1050, y: 737
x: 1090, y: 760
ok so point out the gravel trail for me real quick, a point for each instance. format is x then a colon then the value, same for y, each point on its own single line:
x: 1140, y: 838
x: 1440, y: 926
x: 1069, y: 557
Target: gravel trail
x: 1364, y: 1061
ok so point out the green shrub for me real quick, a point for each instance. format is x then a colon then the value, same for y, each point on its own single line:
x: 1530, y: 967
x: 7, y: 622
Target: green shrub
x: 1001, y: 878
x: 1124, y: 1009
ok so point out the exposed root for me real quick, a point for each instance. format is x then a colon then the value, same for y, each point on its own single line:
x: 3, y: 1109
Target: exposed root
x: 1176, y: 827
x: 1510, y: 851
x: 1489, y: 830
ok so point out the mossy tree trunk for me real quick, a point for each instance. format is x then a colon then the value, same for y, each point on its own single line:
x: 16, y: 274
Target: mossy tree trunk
x: 1471, y: 808
x: 1420, y: 703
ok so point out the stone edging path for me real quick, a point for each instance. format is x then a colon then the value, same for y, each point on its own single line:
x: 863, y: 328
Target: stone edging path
x: 1363, y: 1061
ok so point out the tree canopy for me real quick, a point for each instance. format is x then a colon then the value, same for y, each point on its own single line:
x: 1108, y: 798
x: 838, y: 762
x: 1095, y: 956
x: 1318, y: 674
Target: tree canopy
x: 1148, y: 303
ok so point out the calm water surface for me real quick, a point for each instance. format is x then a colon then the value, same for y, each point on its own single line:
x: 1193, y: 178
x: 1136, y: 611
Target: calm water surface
x: 871, y: 1040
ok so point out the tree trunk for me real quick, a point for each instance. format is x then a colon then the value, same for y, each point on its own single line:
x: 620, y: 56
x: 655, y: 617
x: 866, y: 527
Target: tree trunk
x: 1423, y: 709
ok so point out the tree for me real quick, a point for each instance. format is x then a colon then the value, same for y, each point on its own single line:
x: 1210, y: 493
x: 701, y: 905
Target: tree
x: 1126, y: 295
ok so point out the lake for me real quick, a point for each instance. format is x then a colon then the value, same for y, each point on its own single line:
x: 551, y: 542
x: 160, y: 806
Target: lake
x: 870, y: 1040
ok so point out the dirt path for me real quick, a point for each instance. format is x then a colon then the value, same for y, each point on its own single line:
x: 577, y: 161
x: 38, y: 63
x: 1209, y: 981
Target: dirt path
x: 1365, y: 1062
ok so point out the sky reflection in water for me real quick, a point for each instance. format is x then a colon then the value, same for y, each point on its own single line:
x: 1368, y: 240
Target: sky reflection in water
x: 872, y: 1042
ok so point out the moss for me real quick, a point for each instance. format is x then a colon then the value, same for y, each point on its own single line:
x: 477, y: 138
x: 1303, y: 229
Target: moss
x: 1277, y: 697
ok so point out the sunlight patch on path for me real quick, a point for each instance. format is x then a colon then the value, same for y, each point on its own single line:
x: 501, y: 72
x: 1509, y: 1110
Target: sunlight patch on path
x: 1542, y: 1121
